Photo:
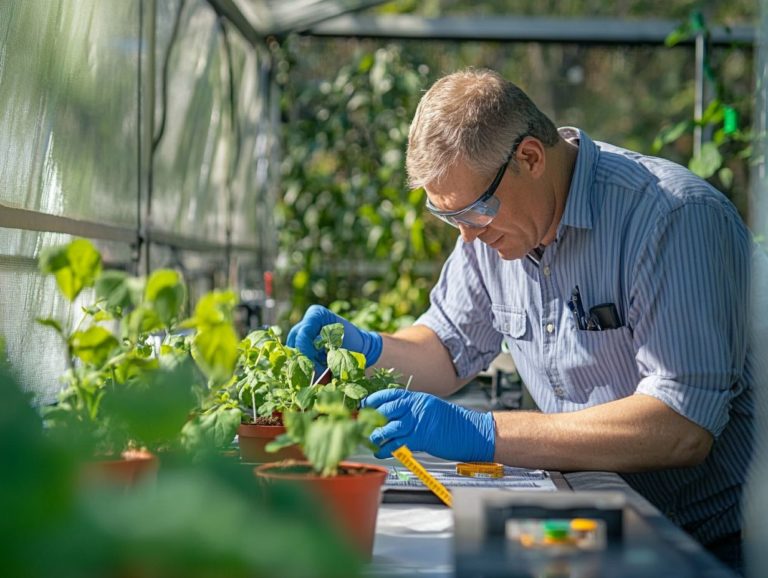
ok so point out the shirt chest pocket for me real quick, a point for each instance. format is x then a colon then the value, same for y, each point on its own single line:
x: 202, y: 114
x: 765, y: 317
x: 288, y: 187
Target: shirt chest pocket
x: 510, y: 321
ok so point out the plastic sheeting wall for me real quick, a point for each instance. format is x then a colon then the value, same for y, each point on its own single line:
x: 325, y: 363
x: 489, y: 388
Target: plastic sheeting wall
x: 149, y: 117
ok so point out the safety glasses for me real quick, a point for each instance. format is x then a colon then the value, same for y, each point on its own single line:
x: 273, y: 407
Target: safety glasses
x: 480, y: 213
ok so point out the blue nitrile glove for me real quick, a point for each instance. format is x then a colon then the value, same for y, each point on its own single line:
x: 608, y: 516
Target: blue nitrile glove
x: 302, y: 336
x: 429, y: 424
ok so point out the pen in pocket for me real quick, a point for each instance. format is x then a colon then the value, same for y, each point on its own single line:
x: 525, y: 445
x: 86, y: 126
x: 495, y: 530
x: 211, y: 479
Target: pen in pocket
x: 577, y: 308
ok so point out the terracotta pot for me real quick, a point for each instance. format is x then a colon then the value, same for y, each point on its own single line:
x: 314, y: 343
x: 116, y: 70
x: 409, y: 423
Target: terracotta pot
x: 254, y: 438
x: 134, y: 466
x: 351, y: 499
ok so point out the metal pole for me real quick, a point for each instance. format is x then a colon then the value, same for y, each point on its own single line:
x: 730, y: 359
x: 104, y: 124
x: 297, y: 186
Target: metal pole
x: 700, y: 89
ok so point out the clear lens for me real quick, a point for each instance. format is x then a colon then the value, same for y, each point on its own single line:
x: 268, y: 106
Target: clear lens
x: 479, y: 215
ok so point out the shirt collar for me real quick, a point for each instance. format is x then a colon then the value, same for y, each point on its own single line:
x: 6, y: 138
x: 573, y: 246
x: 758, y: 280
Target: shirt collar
x: 582, y: 204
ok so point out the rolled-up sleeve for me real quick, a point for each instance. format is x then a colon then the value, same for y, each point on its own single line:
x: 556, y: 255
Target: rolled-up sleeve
x: 689, y: 312
x: 460, y: 313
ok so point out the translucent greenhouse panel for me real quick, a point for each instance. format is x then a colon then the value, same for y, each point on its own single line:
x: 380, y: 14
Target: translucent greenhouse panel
x: 191, y: 159
x: 256, y: 154
x: 34, y: 351
x: 69, y: 114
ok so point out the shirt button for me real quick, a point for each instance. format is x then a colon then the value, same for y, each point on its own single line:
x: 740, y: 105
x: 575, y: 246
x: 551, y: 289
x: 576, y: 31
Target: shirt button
x: 559, y: 391
x: 550, y: 327
x: 547, y: 271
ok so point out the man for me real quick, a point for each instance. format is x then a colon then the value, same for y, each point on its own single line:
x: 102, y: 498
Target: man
x: 620, y: 283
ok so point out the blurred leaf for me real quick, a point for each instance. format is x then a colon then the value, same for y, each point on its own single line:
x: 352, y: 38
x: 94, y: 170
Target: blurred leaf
x: 215, y: 350
x: 671, y: 134
x: 94, y: 345
x: 709, y: 161
x: 153, y: 411
x: 726, y: 177
x: 51, y: 323
x: 214, y: 308
x: 114, y: 289
x: 143, y: 320
x: 713, y: 114
x: 75, y: 266
x: 355, y: 391
x: 305, y: 398
x: 328, y: 442
x: 165, y: 290
x: 210, y: 431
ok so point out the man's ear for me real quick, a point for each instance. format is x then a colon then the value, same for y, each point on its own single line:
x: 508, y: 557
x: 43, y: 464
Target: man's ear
x: 531, y: 156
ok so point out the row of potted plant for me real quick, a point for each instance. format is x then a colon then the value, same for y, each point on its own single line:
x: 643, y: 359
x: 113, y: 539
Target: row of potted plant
x: 198, y: 518
x: 133, y: 351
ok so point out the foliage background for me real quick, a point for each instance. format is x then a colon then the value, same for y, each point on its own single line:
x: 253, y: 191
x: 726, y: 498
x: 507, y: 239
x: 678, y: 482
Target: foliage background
x: 348, y: 226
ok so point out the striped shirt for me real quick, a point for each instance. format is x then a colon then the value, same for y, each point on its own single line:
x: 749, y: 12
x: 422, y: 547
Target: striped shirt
x: 673, y: 255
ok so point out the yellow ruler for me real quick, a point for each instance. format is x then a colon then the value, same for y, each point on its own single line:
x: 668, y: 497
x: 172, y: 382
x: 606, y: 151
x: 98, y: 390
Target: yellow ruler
x: 406, y: 458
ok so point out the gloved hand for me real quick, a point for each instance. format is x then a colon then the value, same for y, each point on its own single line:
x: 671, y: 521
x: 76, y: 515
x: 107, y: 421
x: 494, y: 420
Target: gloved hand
x: 302, y: 336
x: 427, y: 423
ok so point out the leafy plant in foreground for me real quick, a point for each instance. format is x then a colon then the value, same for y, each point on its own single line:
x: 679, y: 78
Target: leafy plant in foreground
x: 334, y: 427
x: 272, y: 378
x: 128, y: 368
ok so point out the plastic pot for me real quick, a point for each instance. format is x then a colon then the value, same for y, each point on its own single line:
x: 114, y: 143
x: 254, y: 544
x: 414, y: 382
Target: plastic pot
x: 351, y: 498
x: 132, y: 467
x: 254, y: 438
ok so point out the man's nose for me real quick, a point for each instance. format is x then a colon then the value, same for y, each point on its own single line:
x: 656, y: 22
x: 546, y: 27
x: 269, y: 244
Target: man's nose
x: 469, y: 234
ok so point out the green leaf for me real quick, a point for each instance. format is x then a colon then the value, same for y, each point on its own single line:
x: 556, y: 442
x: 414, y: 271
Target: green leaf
x: 280, y: 442
x: 143, y: 320
x: 355, y: 391
x: 299, y: 371
x: 671, y: 134
x: 305, y: 398
x: 212, y: 430
x: 166, y: 292
x: 360, y: 359
x: 153, y: 411
x: 679, y: 34
x: 216, y: 351
x: 708, y: 162
x: 343, y: 364
x: 214, y: 308
x: 259, y: 337
x: 75, y: 266
x: 297, y: 424
x: 713, y: 114
x: 277, y: 359
x: 328, y: 442
x: 51, y: 323
x: 726, y: 177
x: 300, y: 280
x: 331, y: 336
x: 93, y: 345
x: 113, y: 288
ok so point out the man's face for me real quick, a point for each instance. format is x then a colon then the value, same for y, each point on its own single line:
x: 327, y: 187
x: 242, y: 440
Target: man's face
x: 526, y: 211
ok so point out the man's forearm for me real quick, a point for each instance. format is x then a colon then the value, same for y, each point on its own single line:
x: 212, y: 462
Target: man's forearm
x: 416, y: 351
x: 637, y: 433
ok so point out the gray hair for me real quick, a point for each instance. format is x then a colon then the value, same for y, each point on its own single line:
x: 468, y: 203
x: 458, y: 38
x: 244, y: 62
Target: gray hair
x: 473, y: 116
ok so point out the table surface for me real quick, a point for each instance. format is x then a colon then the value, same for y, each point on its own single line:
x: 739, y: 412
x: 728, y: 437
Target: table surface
x: 417, y: 539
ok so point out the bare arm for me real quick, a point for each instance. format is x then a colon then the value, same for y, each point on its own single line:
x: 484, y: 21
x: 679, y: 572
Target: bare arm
x: 633, y: 434
x: 417, y: 351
